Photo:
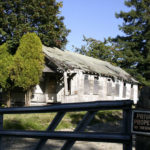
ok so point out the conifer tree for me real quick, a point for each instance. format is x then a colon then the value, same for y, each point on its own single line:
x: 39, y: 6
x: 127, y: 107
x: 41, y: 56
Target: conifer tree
x: 18, y: 17
x: 135, y: 44
x: 5, y: 66
x: 24, y: 68
x: 28, y: 62
x: 101, y: 50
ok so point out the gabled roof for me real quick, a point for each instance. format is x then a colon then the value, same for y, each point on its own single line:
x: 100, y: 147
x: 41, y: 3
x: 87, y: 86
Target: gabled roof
x: 70, y: 60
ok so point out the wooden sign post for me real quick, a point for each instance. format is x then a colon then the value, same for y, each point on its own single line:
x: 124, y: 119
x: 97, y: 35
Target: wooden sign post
x: 141, y: 120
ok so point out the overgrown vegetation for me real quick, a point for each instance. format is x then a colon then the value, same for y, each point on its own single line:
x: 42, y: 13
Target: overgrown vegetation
x: 23, y: 69
x: 18, y: 17
x: 5, y: 66
x: 41, y: 121
x: 28, y: 62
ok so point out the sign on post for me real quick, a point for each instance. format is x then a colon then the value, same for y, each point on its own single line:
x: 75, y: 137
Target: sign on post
x: 141, y: 122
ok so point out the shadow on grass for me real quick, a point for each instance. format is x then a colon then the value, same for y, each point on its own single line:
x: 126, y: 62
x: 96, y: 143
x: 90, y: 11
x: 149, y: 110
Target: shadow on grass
x: 76, y: 117
x: 19, y: 125
x: 107, y: 116
x: 68, y: 122
x: 14, y: 124
x: 100, y: 117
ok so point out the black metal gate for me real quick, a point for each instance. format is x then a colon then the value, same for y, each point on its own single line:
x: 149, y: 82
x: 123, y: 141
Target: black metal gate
x: 78, y: 134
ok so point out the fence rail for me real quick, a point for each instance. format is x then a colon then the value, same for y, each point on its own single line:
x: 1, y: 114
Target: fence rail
x: 78, y: 134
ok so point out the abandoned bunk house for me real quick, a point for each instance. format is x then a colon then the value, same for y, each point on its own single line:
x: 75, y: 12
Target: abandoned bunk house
x: 72, y: 77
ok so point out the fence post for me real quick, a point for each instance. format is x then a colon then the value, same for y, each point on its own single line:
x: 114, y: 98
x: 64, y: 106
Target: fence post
x: 1, y: 128
x: 127, y: 127
x: 143, y: 141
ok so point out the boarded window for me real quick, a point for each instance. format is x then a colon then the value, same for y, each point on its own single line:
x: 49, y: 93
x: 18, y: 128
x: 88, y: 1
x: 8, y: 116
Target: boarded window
x: 109, y: 87
x: 124, y: 90
x: 96, y: 86
x: 69, y: 85
x: 101, y: 82
x: 117, y: 89
x: 86, y: 85
x: 132, y: 92
x: 52, y: 85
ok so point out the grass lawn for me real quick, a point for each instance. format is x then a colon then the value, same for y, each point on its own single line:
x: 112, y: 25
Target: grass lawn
x: 41, y: 121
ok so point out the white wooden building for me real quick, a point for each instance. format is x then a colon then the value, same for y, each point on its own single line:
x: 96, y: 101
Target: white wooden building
x: 71, y: 77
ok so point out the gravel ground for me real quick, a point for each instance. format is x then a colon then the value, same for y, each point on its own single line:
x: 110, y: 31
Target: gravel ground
x: 29, y: 144
x: 10, y: 143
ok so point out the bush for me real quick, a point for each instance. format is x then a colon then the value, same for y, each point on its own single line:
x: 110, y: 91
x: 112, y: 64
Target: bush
x: 5, y: 65
x: 28, y: 62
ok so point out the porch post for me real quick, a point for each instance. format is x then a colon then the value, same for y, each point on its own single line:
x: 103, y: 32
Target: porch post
x: 8, y: 97
x: 65, y: 83
x: 27, y: 97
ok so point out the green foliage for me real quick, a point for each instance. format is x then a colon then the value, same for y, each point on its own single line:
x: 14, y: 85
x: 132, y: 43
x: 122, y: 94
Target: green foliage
x: 70, y: 120
x: 100, y: 50
x: 23, y: 69
x: 28, y: 121
x: 18, y: 17
x: 135, y: 44
x: 28, y: 62
x: 5, y: 66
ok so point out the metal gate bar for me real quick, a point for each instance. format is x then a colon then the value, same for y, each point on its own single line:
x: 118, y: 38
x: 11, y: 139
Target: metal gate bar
x: 71, y: 107
x: 51, y: 127
x: 123, y: 137
x: 78, y: 136
x: 81, y: 126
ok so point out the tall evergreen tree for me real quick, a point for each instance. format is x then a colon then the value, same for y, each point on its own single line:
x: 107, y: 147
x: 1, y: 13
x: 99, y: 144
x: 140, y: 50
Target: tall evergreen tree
x: 28, y: 62
x: 18, y: 17
x: 23, y: 69
x: 101, y: 50
x: 5, y: 66
x: 135, y: 44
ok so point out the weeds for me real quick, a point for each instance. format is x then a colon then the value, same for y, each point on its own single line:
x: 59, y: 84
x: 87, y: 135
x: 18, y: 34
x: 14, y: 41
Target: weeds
x: 41, y: 121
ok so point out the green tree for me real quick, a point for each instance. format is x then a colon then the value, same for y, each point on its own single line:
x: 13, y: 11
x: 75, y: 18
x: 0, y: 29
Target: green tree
x: 18, y: 17
x: 100, y: 50
x: 23, y: 69
x: 5, y: 66
x: 28, y: 62
x: 135, y: 44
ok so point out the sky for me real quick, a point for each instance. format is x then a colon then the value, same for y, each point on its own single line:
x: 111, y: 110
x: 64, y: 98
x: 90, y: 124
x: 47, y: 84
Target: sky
x: 92, y: 18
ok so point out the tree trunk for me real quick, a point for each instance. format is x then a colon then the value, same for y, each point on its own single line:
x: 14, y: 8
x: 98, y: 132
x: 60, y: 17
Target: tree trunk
x: 8, y: 98
x: 27, y: 98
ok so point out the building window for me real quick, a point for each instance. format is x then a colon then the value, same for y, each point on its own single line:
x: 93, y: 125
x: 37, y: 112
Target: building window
x: 124, y: 90
x: 132, y: 92
x: 109, y: 87
x: 86, y: 85
x: 117, y: 89
x: 96, y: 86
x: 69, y: 85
